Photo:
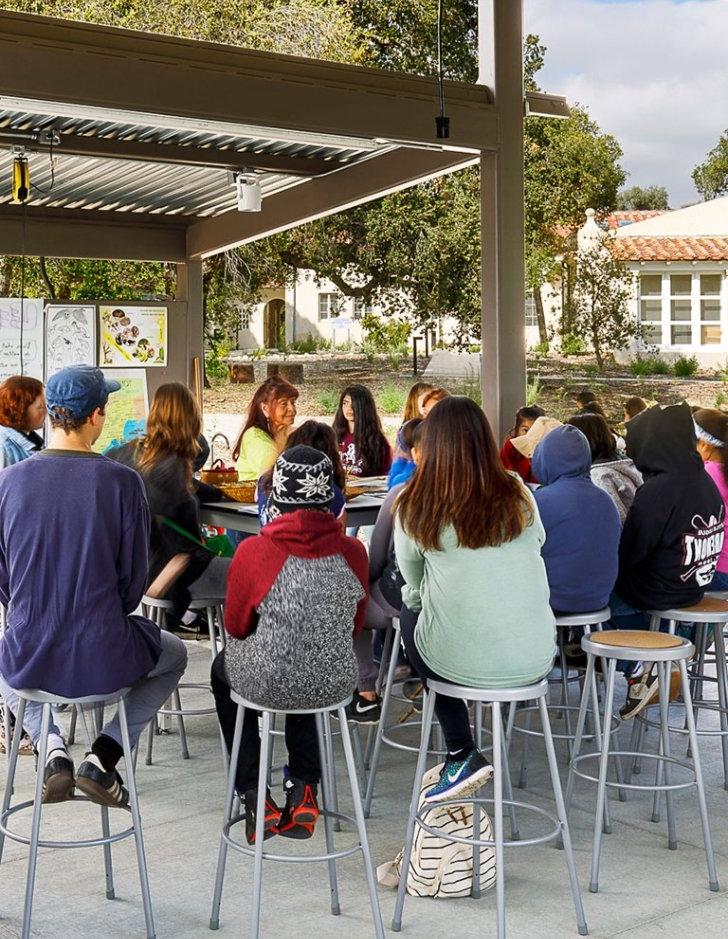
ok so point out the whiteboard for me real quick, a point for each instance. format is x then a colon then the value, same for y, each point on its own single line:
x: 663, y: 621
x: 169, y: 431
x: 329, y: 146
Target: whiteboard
x: 10, y: 323
x: 70, y: 337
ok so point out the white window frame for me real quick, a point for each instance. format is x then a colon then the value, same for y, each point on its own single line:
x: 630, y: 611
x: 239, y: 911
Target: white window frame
x: 530, y: 309
x: 721, y: 308
x: 696, y: 321
x: 658, y: 323
x: 361, y: 307
x: 329, y: 305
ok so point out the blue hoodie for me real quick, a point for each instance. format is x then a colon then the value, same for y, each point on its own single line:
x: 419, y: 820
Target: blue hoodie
x: 581, y: 521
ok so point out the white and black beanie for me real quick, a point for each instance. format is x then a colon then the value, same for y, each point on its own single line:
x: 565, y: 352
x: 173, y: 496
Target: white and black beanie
x: 303, y: 478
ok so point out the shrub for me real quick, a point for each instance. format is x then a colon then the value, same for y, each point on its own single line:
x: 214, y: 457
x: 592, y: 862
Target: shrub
x: 391, y: 399
x: 720, y: 399
x: 306, y: 345
x: 649, y: 365
x: 533, y: 389
x: 327, y: 401
x: 385, y: 335
x: 215, y: 364
x: 368, y: 349
x: 572, y: 345
x: 541, y: 348
x: 684, y: 367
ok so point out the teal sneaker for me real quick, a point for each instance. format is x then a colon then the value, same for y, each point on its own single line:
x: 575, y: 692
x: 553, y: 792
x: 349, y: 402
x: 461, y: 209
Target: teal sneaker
x: 460, y: 778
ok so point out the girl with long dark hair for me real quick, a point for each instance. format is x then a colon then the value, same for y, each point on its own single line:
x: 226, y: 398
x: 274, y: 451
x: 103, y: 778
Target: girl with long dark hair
x: 363, y: 448
x: 476, y: 600
x: 264, y: 435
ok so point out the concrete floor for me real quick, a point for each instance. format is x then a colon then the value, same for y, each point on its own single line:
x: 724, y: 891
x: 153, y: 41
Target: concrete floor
x: 646, y: 890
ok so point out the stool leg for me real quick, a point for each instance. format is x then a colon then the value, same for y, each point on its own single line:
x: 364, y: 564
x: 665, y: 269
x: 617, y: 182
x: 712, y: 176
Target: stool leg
x: 360, y: 823
x: 136, y: 820
x: 181, y: 724
x: 150, y: 740
x: 475, y: 883
x: 331, y: 767
x: 72, y: 726
x: 707, y: 841
x: 508, y: 789
x: 358, y: 755
x: 86, y: 730
x: 12, y: 763
x: 638, y: 735
x: 523, y: 775
x: 383, y: 668
x: 664, y: 669
x: 229, y: 800
x: 428, y: 709
x: 265, y: 742
x: 720, y: 671
x: 602, y: 788
x: 696, y: 680
x: 565, y: 692
x: 500, y: 881
x: 37, y: 809
x: 327, y: 807
x: 108, y: 869
x: 211, y: 632
x: 589, y: 687
x: 597, y: 725
x: 269, y: 767
x: 561, y: 811
x: 382, y: 725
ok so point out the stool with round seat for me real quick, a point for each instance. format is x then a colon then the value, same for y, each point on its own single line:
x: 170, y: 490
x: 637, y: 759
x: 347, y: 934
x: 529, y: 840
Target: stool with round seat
x: 662, y: 649
x: 233, y: 815
x: 494, y: 698
x: 107, y: 839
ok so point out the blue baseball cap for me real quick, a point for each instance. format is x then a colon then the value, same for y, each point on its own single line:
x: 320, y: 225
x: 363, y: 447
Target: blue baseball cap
x: 79, y: 390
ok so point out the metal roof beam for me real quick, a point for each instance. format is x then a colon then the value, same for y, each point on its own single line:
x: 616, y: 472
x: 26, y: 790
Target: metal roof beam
x: 316, y: 198
x: 120, y: 149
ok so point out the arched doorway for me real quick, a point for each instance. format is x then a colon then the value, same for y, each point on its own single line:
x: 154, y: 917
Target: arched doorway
x: 274, y: 323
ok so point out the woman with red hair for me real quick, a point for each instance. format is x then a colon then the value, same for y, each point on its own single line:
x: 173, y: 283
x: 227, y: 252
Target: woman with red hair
x: 22, y: 413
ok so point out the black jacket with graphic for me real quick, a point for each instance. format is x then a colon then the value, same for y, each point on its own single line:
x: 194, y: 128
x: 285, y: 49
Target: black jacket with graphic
x: 673, y: 533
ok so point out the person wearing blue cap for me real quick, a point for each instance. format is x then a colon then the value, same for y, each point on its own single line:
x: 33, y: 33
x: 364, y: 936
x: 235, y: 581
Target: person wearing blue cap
x: 74, y: 531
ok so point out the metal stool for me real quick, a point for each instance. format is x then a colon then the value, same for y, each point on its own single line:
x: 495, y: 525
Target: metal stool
x: 233, y: 813
x: 107, y: 839
x: 156, y: 610
x: 662, y: 649
x: 494, y: 697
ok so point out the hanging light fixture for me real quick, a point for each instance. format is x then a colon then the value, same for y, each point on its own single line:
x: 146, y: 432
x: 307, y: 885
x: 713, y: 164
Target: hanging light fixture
x: 20, y: 185
x: 248, y: 191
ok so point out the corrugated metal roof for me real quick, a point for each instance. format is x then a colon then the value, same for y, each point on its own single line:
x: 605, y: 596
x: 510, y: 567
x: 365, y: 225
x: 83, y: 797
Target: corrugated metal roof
x: 83, y: 182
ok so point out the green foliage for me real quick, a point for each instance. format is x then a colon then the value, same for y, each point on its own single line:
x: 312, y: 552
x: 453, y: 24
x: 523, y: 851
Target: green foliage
x: 391, y: 399
x: 643, y: 197
x: 711, y: 176
x: 368, y: 349
x: 471, y: 389
x: 720, y: 399
x: 571, y: 344
x: 215, y: 364
x: 603, y: 288
x: 533, y: 390
x: 327, y: 401
x: 541, y: 348
x: 309, y: 344
x: 386, y: 335
x: 684, y: 366
x: 649, y: 365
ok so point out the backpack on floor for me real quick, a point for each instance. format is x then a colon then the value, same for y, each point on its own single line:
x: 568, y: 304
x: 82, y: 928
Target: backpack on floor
x: 441, y: 868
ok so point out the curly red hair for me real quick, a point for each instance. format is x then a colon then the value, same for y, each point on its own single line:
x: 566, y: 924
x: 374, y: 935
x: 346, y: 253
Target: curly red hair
x: 17, y: 393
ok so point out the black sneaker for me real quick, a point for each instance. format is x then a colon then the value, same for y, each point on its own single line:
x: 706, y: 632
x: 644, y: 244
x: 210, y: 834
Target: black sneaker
x: 58, y: 781
x: 105, y: 787
x: 574, y: 655
x: 301, y: 810
x: 460, y: 778
x: 363, y: 711
x: 644, y: 691
x: 271, y: 820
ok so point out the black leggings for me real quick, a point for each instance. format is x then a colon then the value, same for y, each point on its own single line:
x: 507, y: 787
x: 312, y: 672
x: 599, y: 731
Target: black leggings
x: 301, y: 736
x: 452, y: 713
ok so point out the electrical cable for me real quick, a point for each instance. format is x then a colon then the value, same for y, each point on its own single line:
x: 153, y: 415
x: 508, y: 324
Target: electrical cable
x: 39, y: 189
x: 442, y: 123
x: 22, y: 285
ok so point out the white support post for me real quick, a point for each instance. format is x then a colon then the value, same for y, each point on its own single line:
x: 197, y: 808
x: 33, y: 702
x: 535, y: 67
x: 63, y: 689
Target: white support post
x: 190, y: 290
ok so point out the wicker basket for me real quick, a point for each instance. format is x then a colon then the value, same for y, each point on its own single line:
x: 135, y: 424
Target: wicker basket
x: 240, y: 492
x: 218, y: 477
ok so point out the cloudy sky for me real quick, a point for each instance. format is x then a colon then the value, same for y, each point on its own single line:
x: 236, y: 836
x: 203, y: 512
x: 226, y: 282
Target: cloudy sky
x: 652, y: 72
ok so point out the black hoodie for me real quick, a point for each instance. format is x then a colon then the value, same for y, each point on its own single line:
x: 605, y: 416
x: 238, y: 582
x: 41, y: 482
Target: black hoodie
x: 673, y: 533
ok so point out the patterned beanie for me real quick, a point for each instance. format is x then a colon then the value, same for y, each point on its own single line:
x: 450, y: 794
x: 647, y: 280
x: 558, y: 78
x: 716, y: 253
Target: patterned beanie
x: 303, y: 478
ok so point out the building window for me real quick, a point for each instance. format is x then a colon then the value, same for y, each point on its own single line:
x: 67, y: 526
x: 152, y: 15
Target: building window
x: 651, y: 308
x: 531, y: 315
x: 681, y: 310
x: 362, y: 307
x: 328, y: 305
x: 710, y: 332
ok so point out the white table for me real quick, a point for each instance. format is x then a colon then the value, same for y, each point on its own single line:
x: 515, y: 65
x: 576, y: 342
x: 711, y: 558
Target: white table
x: 362, y: 510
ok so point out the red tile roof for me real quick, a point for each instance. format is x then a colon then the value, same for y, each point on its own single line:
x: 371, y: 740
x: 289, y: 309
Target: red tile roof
x: 670, y: 249
x: 623, y: 217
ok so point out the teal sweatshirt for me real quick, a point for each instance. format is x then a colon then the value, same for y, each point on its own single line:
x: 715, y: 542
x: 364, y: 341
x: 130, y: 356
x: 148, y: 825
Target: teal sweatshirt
x: 485, y: 618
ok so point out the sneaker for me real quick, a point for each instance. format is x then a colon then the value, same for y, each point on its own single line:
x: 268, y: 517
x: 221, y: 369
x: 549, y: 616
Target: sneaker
x: 105, y: 787
x: 402, y: 673
x: 460, y: 778
x: 363, y: 711
x: 643, y: 691
x: 412, y: 688
x: 58, y: 781
x: 271, y: 820
x: 574, y: 655
x: 300, y: 811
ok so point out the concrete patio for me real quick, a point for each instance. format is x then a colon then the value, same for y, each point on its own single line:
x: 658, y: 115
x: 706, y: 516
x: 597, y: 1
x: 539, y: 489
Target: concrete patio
x: 646, y: 890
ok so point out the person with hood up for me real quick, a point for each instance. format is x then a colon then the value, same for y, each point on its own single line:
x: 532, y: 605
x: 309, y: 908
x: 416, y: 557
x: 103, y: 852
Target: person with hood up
x: 290, y: 629
x: 672, y: 536
x: 619, y: 478
x: 581, y: 522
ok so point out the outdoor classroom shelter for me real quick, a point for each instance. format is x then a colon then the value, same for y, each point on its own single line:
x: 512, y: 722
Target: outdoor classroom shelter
x: 145, y: 129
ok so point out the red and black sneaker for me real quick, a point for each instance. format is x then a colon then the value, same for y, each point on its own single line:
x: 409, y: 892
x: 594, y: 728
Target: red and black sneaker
x: 301, y: 810
x: 272, y: 816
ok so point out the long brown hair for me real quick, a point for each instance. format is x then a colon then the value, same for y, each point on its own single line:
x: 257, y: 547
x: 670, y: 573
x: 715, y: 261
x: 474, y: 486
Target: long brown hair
x: 173, y: 427
x: 272, y: 389
x: 460, y: 481
x: 411, y: 410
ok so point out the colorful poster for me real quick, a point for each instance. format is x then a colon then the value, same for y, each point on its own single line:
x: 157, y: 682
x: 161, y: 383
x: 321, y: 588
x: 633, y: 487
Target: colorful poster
x: 70, y: 337
x: 12, y: 329
x: 127, y: 409
x: 131, y: 336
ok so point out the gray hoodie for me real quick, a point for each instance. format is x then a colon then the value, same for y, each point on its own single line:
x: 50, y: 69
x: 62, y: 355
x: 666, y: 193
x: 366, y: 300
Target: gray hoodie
x: 620, y: 479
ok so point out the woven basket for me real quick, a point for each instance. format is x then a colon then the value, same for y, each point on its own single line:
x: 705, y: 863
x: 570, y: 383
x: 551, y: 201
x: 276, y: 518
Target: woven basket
x: 218, y: 477
x: 240, y: 492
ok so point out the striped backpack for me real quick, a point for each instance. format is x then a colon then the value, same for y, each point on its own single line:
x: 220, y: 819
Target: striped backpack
x: 441, y: 868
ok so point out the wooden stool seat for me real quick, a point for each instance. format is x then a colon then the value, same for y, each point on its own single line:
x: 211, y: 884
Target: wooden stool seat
x: 636, y: 639
x: 707, y: 605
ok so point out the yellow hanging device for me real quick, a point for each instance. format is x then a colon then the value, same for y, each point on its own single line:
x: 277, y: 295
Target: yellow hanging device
x: 21, y: 179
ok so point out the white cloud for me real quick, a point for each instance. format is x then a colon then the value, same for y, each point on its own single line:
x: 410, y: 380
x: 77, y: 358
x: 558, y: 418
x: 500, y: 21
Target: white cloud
x: 651, y: 72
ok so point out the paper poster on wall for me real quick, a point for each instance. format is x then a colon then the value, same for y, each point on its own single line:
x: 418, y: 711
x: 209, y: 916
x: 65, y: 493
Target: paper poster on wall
x: 131, y: 336
x: 70, y: 337
x: 127, y: 409
x: 32, y: 334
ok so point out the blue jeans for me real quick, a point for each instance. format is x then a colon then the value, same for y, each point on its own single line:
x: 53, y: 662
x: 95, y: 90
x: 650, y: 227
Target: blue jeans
x: 719, y: 581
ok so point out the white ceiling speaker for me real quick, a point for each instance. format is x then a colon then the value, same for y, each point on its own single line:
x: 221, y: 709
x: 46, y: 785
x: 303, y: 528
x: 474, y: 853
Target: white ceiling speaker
x: 248, y: 191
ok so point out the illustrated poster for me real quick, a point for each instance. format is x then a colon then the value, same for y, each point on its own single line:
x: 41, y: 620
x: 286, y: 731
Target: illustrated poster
x: 126, y: 410
x: 131, y: 336
x: 10, y: 335
x: 70, y: 333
